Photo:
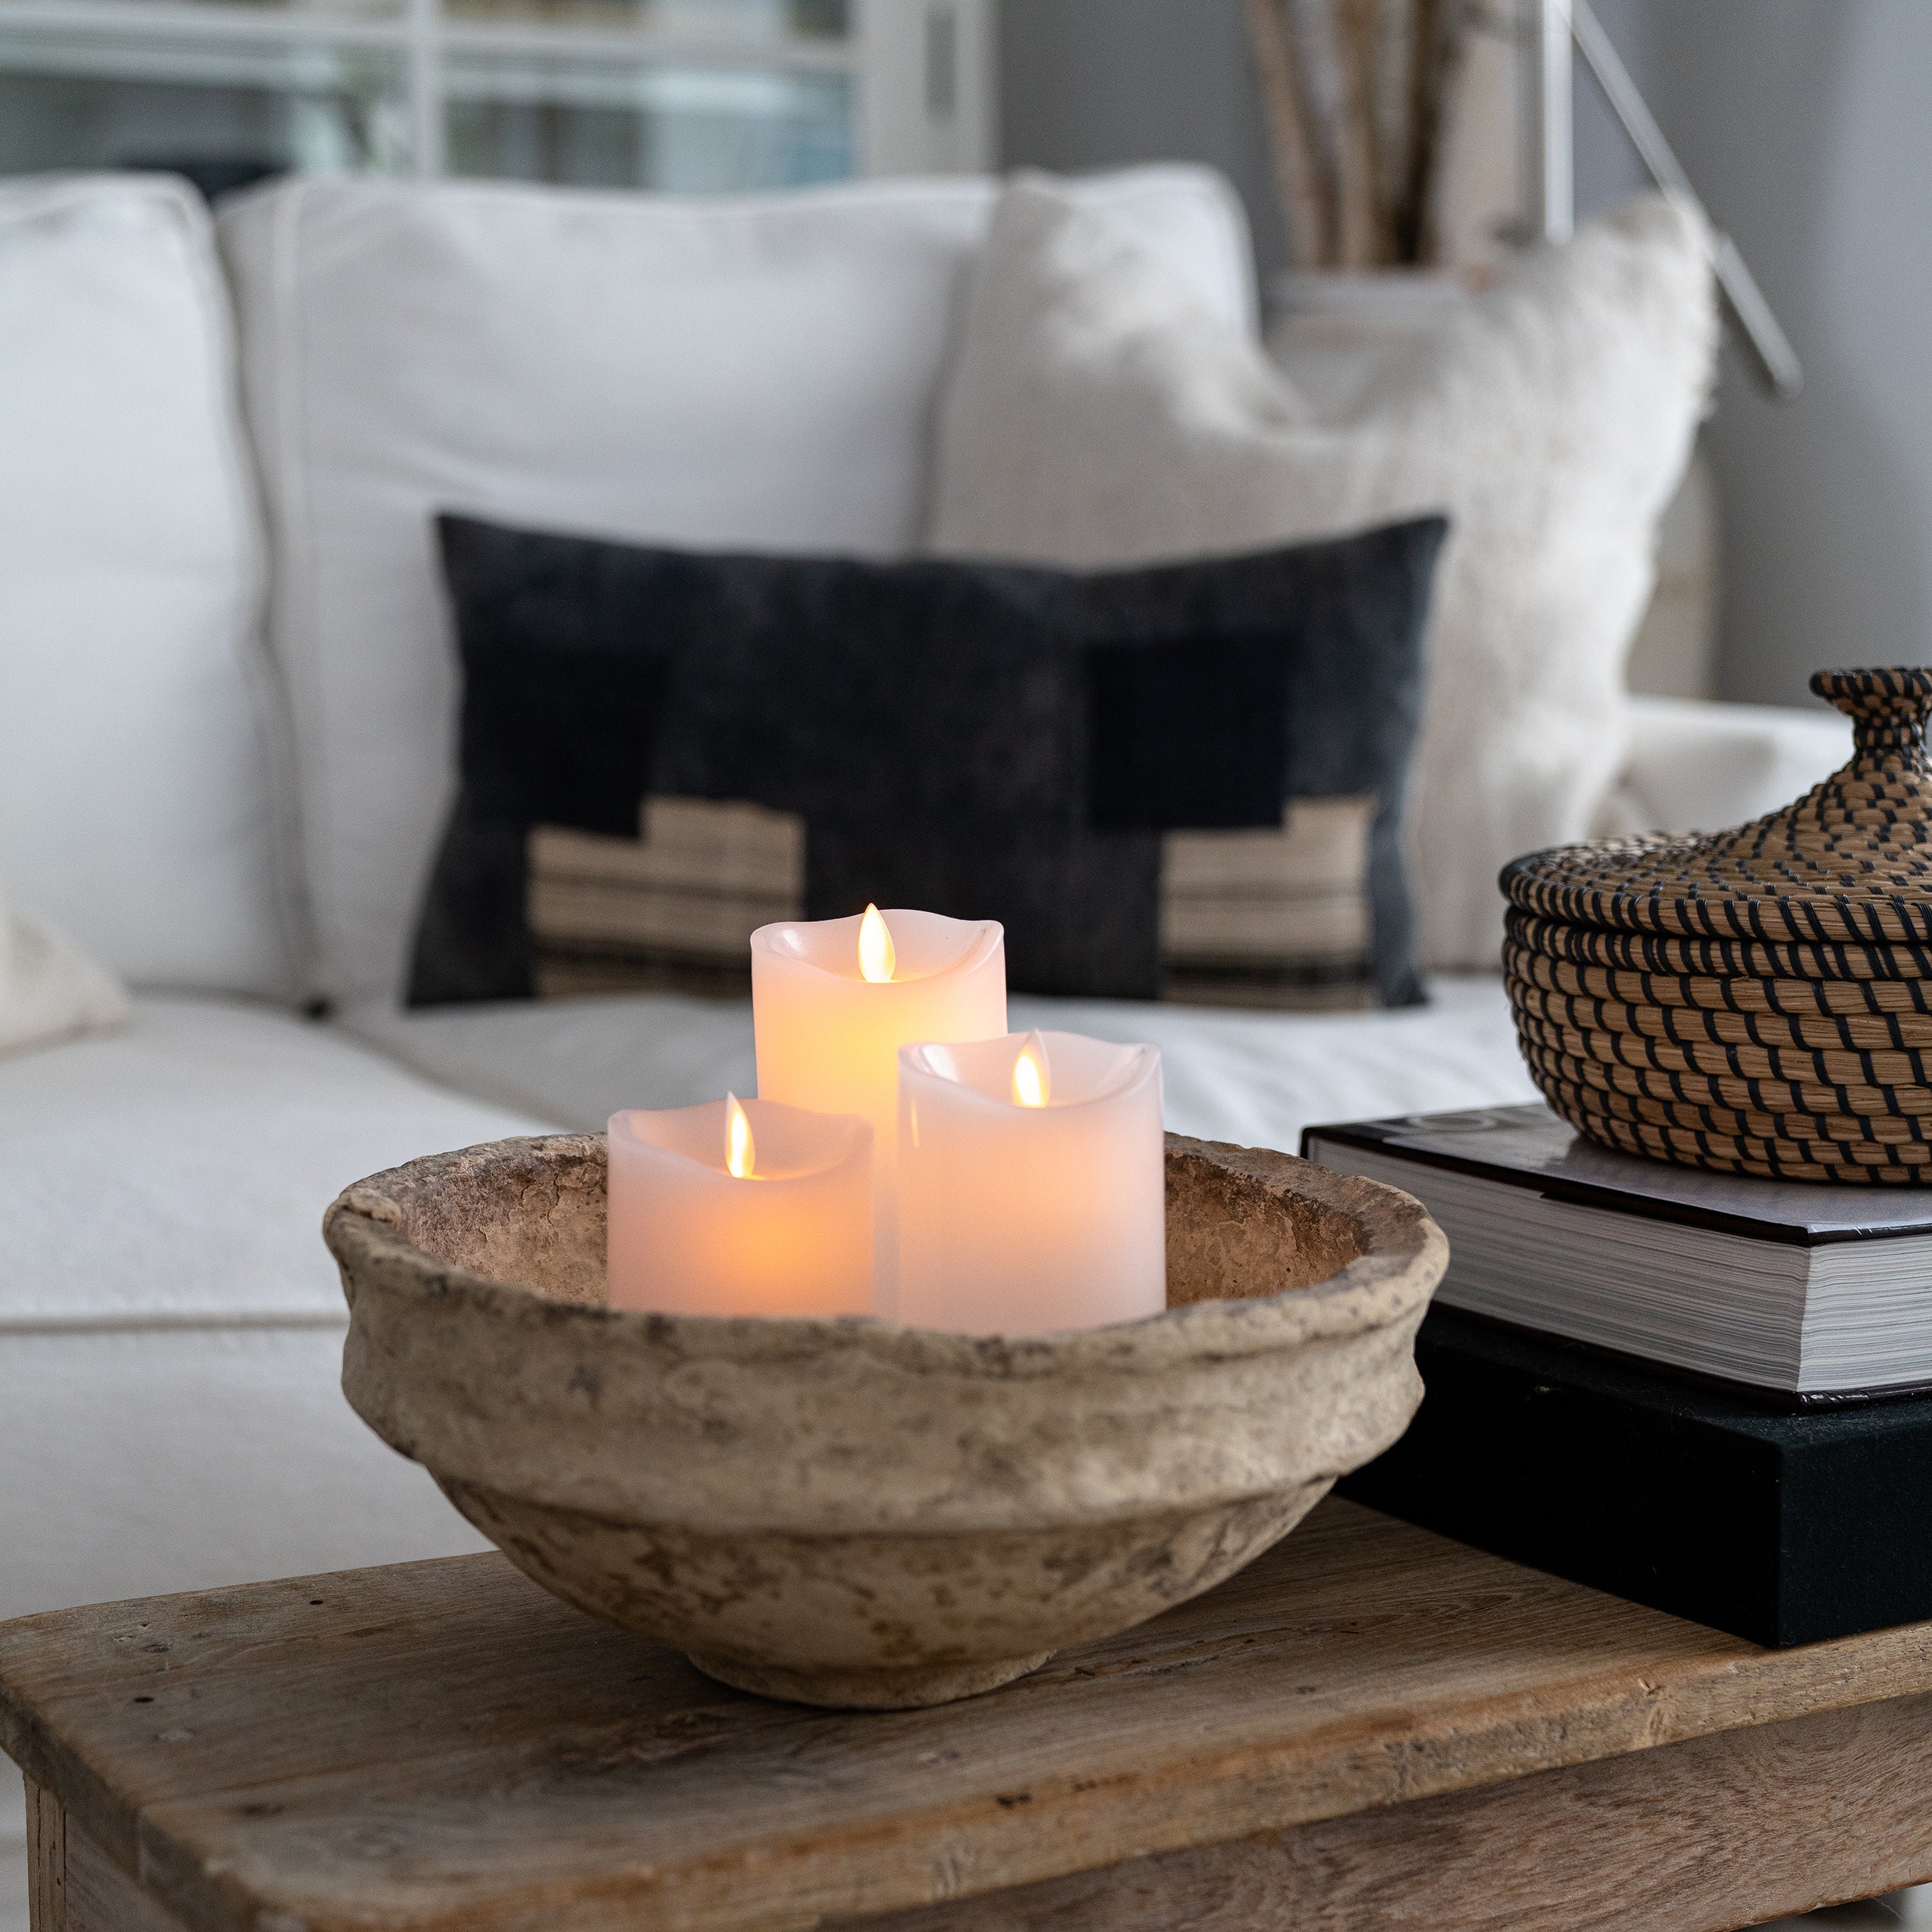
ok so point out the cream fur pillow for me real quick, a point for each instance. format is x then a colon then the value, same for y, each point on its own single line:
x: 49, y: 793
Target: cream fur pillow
x: 49, y: 989
x: 1096, y: 416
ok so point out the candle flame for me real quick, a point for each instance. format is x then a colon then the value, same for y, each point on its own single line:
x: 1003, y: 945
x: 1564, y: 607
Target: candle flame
x: 740, y: 1151
x: 1033, y: 1083
x: 877, y: 955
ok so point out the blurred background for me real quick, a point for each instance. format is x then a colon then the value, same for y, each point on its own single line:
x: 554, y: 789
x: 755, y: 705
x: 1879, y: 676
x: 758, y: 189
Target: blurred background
x: 1806, y: 126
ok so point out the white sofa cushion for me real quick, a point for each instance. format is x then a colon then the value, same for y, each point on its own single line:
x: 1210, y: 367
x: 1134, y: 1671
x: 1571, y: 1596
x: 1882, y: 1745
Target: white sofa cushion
x: 135, y: 697
x: 1097, y: 417
x: 170, y: 1324
x: 1256, y: 1079
x: 140, y: 1463
x: 759, y: 372
x: 175, y: 1175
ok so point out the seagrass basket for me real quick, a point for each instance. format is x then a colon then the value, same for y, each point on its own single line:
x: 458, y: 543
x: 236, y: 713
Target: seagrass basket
x: 1757, y: 1001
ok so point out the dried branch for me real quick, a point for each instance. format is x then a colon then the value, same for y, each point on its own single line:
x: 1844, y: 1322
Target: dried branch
x: 1359, y: 96
x: 1391, y: 81
x: 1317, y: 60
x: 1442, y: 32
x: 1355, y: 25
x: 1297, y: 171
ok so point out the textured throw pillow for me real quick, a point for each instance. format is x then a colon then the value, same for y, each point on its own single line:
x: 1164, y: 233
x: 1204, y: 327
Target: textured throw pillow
x: 1186, y: 779
x: 49, y: 990
x: 1096, y: 417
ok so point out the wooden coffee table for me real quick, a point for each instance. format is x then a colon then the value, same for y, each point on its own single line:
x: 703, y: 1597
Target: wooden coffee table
x: 1370, y: 1727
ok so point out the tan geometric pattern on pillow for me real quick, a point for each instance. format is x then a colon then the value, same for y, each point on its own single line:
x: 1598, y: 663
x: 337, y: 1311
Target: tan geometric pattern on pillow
x: 1271, y: 918
x: 672, y: 909
x: 1251, y: 918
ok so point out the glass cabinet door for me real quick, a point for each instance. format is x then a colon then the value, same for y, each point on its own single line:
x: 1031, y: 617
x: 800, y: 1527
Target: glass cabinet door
x: 234, y: 91
x: 688, y: 95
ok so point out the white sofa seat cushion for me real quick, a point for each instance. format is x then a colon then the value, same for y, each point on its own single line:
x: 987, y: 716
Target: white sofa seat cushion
x: 140, y: 1462
x: 757, y: 372
x: 170, y: 1324
x: 1256, y: 1079
x: 175, y: 1175
x: 137, y: 711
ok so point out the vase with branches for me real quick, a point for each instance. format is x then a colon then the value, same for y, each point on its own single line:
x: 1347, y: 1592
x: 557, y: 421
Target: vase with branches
x: 1359, y: 97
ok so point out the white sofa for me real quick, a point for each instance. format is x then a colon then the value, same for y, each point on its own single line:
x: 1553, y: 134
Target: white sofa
x: 225, y: 714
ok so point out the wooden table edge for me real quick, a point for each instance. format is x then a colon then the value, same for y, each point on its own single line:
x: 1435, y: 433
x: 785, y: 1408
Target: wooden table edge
x: 1238, y: 1795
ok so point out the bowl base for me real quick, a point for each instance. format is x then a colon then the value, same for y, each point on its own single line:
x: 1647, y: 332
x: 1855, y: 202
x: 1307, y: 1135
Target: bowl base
x: 907, y: 1687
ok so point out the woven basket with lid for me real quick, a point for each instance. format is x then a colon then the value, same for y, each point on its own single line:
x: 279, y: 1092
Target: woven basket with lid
x: 1757, y: 1001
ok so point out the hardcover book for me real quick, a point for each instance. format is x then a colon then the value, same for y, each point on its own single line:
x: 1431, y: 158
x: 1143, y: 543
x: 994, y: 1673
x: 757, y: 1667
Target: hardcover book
x: 1806, y: 1294
x: 1781, y: 1527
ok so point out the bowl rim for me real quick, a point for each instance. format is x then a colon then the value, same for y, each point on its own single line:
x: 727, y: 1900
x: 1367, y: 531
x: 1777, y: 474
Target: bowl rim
x: 1403, y: 1257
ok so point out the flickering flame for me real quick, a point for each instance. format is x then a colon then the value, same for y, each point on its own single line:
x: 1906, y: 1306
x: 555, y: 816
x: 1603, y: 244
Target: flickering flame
x: 1033, y: 1085
x: 876, y: 957
x: 740, y: 1152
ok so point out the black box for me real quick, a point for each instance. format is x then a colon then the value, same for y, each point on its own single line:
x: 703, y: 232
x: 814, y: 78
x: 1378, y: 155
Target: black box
x: 1784, y: 1528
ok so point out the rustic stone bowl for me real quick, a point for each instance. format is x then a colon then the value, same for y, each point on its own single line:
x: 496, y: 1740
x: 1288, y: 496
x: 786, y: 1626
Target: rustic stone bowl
x: 847, y: 1513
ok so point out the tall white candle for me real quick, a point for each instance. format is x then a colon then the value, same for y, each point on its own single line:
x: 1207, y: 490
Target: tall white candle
x: 740, y: 1208
x: 830, y: 1021
x: 1031, y: 1185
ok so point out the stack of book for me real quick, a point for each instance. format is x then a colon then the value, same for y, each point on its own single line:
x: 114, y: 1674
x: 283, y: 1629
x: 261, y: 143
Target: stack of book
x: 1707, y: 1392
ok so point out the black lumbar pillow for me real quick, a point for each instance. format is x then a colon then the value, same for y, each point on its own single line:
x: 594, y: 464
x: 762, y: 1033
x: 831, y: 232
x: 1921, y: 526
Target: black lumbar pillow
x: 1185, y: 780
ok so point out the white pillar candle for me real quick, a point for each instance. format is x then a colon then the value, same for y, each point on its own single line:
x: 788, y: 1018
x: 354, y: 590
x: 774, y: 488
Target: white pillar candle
x: 738, y: 1207
x: 1032, y: 1185
x: 830, y: 1020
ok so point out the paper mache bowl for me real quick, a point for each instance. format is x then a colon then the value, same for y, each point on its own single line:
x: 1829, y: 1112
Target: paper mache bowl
x: 849, y: 1513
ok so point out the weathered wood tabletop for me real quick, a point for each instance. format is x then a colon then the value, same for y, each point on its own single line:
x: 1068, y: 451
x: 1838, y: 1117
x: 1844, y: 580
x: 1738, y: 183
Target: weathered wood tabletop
x: 1370, y: 1727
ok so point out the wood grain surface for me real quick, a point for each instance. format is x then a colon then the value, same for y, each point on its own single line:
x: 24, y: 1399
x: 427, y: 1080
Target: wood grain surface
x: 76, y: 1887
x: 46, y: 1860
x: 442, y: 1745
x: 1716, y: 1833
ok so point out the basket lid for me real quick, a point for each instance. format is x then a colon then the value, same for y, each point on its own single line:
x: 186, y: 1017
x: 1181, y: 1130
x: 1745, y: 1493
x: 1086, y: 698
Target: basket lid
x: 1851, y: 860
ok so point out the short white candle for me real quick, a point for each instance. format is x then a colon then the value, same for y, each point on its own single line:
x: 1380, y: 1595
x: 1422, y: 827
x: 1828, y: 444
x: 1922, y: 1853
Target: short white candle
x: 738, y: 1207
x: 830, y: 1021
x: 1031, y: 1185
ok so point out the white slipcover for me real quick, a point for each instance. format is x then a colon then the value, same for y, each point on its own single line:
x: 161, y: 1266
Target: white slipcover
x: 1256, y: 1079
x: 1693, y: 767
x: 170, y: 1324
x: 137, y: 711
